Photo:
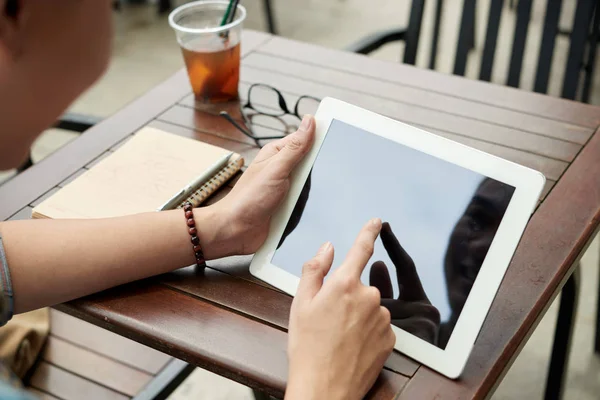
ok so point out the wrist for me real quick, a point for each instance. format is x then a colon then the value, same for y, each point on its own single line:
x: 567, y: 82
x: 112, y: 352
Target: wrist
x: 311, y: 385
x: 215, y: 232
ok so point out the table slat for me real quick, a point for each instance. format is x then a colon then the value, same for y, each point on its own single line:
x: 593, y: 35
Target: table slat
x: 429, y: 118
x: 571, y: 112
x: 186, y: 117
x: 428, y: 100
x: 255, y: 301
x: 210, y: 337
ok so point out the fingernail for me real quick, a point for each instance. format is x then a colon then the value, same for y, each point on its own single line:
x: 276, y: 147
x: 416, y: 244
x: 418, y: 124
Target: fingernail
x: 376, y: 222
x: 324, y: 248
x: 306, y: 121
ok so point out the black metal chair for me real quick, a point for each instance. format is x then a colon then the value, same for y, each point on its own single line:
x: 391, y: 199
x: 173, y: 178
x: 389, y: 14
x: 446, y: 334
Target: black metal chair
x: 577, y: 82
x: 582, y: 51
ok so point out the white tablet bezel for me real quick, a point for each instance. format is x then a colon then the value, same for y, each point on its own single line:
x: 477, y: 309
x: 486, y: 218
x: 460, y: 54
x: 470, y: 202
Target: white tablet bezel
x: 528, y: 185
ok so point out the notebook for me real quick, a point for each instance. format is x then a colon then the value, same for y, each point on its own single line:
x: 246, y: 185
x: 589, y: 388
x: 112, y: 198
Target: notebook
x: 140, y: 176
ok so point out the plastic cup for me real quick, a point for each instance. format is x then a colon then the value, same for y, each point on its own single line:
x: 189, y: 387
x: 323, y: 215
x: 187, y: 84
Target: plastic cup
x: 211, y: 52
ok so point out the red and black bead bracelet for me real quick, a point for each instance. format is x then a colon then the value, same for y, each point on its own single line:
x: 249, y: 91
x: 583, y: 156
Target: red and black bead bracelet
x: 191, y: 223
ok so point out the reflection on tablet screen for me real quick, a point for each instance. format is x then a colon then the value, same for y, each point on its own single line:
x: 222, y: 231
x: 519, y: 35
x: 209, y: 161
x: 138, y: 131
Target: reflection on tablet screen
x: 441, y: 220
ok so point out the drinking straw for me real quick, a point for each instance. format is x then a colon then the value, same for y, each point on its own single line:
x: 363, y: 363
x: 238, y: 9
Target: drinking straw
x: 227, y: 12
x: 234, y: 5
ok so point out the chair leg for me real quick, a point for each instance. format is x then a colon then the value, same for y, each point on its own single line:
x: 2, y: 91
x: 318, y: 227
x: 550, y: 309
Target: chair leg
x: 167, y: 380
x: 270, y: 17
x: 28, y: 163
x: 562, y: 338
x: 260, y: 395
x: 164, y: 6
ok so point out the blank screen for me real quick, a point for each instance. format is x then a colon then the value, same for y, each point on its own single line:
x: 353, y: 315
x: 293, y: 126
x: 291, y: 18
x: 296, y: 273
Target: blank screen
x: 440, y: 220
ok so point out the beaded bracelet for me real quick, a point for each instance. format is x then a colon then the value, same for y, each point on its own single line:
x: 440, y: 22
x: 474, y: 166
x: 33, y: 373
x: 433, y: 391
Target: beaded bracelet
x: 191, y: 223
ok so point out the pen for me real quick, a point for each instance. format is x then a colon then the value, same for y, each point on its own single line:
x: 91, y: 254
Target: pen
x: 196, y: 183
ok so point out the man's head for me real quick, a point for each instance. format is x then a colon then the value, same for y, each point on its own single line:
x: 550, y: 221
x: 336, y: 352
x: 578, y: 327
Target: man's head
x: 50, y: 52
x: 472, y: 237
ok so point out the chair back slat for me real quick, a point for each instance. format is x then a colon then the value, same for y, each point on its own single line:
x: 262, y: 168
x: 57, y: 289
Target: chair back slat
x: 579, y: 33
x: 518, y: 48
x: 436, y: 33
x: 549, y: 33
x: 592, y: 50
x: 491, y: 38
x: 465, y: 37
x: 413, y: 31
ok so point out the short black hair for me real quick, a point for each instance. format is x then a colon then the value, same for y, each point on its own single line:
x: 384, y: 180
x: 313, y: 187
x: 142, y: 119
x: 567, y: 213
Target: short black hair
x: 11, y: 8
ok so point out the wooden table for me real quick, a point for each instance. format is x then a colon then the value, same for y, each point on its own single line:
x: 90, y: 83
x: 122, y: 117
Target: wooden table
x: 227, y: 322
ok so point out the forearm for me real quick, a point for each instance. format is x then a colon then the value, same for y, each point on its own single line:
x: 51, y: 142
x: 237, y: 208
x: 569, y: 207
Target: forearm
x: 53, y: 261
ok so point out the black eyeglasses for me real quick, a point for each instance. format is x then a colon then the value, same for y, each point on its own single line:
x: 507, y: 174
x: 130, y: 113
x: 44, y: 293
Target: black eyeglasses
x: 267, y: 101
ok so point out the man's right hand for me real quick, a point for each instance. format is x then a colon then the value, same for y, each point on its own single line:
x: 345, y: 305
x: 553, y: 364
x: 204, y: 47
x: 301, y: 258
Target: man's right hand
x: 411, y: 311
x: 339, y: 335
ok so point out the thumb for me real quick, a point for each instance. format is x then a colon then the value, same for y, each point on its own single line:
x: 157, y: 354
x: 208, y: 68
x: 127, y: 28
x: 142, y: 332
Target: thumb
x: 294, y: 147
x: 313, y: 273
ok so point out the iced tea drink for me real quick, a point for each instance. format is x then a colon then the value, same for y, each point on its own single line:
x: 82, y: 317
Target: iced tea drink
x: 213, y: 68
x: 211, y: 51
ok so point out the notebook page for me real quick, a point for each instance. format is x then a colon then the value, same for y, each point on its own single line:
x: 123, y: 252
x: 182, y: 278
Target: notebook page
x: 140, y: 176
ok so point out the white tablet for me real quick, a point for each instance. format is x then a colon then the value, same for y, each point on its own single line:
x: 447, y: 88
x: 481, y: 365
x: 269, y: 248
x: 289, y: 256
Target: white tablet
x: 454, y: 218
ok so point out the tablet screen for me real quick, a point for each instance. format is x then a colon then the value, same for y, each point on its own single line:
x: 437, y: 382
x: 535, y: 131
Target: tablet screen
x: 440, y: 220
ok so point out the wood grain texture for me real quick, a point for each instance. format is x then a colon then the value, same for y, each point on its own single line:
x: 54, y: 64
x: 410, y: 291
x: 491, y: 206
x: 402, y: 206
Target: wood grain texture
x: 254, y: 301
x: 205, y: 123
x: 502, y: 97
x: 186, y: 117
x: 106, y: 343
x: 68, y: 386
x: 415, y: 97
x: 499, y: 146
x: 387, y: 386
x: 246, y: 150
x: 211, y: 337
x: 199, y: 333
x: 94, y: 367
x: 427, y: 117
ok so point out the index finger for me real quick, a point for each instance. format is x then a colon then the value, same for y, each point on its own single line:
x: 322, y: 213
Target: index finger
x: 362, y: 249
x: 409, y: 282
